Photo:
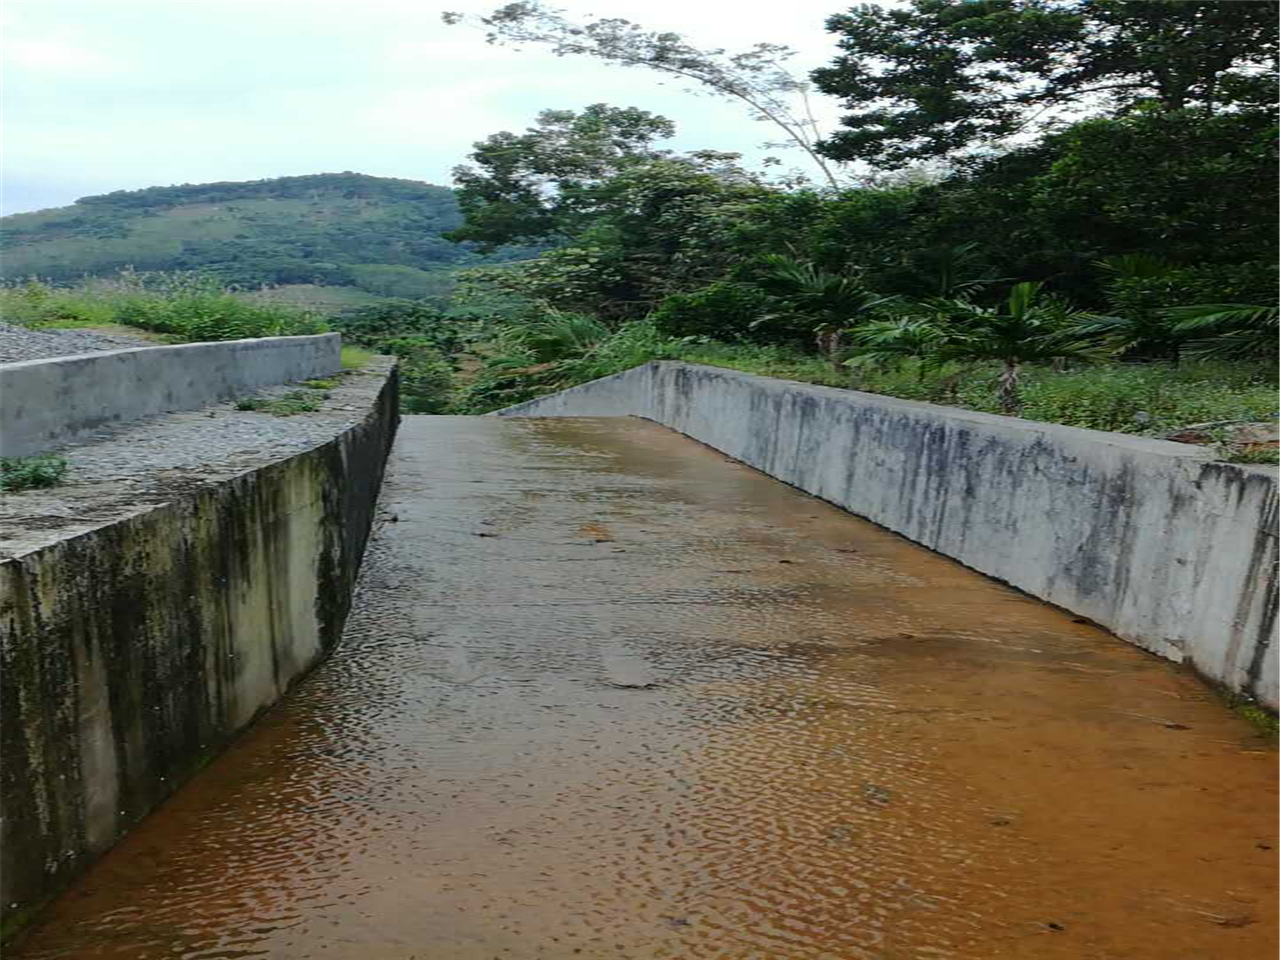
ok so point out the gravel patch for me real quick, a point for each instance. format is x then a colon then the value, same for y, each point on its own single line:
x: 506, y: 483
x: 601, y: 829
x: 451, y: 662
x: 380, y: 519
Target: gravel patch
x: 135, y: 466
x: 21, y: 343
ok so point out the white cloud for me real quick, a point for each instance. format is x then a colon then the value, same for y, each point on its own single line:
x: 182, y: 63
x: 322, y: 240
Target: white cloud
x: 44, y: 56
x: 126, y: 93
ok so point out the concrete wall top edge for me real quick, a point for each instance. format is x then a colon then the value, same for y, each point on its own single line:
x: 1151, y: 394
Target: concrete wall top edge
x: 355, y: 399
x: 1057, y: 430
x: 175, y: 347
x: 57, y: 400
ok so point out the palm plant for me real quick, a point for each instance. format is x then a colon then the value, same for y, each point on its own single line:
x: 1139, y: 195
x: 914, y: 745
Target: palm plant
x: 953, y: 270
x: 1029, y: 327
x: 826, y: 302
x: 1137, y: 286
x: 548, y: 339
x: 1228, y: 331
x: 890, y: 341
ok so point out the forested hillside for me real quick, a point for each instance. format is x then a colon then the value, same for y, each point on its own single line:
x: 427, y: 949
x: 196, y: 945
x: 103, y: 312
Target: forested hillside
x: 375, y: 234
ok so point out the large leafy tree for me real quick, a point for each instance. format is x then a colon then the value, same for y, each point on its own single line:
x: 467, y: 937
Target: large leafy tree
x: 936, y: 77
x: 541, y: 184
x: 652, y: 228
x: 758, y: 78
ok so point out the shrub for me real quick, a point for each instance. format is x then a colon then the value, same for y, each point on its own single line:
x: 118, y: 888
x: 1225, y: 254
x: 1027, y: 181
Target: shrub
x: 36, y: 304
x: 558, y: 353
x: 1260, y: 456
x: 426, y: 377
x: 721, y: 311
x: 400, y: 318
x: 1140, y: 291
x: 28, y: 473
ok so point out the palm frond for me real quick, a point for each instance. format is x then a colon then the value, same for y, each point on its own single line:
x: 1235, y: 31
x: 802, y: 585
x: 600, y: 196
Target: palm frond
x: 1133, y: 266
x: 1234, y: 316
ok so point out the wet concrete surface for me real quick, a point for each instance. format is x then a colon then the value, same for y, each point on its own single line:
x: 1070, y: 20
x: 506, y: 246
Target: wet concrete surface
x: 608, y: 695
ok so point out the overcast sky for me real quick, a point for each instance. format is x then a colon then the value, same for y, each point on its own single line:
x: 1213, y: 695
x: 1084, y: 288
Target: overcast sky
x: 118, y: 94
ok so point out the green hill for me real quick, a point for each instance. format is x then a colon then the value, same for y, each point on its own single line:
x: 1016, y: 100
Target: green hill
x: 373, y: 234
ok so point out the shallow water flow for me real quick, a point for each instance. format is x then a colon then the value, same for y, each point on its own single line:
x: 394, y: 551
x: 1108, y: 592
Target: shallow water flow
x: 607, y: 694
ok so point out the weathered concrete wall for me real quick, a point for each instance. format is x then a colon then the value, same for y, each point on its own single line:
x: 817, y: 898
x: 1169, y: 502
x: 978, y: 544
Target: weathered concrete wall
x: 1154, y: 540
x: 50, y: 402
x: 134, y: 652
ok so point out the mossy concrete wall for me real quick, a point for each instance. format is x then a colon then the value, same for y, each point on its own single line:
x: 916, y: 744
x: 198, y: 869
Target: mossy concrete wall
x: 1156, y: 541
x: 134, y: 652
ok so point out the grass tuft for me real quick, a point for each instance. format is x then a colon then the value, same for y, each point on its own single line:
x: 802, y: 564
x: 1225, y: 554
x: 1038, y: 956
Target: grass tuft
x: 288, y: 405
x: 353, y: 358
x: 29, y: 473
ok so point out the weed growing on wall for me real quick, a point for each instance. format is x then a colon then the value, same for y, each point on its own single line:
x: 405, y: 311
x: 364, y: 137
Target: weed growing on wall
x: 29, y: 473
x: 288, y: 405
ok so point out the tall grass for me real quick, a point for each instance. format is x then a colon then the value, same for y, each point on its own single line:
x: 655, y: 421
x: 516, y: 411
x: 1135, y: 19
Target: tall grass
x: 185, y: 307
x: 1151, y: 399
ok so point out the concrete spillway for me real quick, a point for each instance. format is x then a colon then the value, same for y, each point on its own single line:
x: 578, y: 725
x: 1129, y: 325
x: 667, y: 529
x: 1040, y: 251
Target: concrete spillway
x: 608, y: 694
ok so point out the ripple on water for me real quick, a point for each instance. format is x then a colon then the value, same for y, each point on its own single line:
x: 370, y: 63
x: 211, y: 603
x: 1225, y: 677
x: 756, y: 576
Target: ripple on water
x: 614, y: 726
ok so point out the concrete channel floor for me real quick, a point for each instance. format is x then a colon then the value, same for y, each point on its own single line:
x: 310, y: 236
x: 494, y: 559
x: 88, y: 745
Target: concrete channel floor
x: 609, y: 695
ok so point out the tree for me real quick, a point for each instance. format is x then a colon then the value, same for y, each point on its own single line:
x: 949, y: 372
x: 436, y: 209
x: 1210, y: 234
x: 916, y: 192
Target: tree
x: 936, y: 77
x: 1181, y: 184
x: 757, y: 77
x: 653, y: 228
x: 539, y: 185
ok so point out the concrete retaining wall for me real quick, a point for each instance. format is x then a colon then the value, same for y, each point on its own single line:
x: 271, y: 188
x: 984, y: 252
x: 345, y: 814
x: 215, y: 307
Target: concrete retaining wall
x: 1156, y: 541
x: 133, y: 653
x: 50, y: 402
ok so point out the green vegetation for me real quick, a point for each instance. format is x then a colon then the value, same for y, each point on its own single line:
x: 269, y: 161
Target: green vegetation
x: 353, y: 358
x: 423, y: 339
x: 1151, y: 399
x: 313, y: 296
x: 950, y: 75
x: 343, y: 230
x: 1111, y: 266
x: 1114, y: 270
x: 287, y: 405
x: 1261, y: 719
x: 1263, y: 457
x: 182, y: 306
x: 29, y: 473
x: 320, y: 384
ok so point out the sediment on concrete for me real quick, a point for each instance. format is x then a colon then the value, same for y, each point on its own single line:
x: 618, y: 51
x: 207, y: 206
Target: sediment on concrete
x: 134, y: 651
x: 1156, y: 541
x: 56, y: 401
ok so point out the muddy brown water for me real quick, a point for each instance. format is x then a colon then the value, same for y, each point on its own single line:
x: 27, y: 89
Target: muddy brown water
x: 609, y: 695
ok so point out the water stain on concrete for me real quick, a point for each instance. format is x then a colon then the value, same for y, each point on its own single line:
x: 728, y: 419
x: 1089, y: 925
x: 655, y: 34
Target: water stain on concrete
x: 662, y: 743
